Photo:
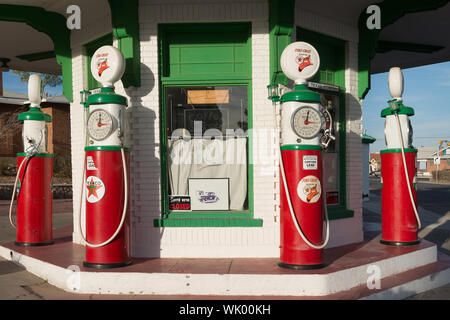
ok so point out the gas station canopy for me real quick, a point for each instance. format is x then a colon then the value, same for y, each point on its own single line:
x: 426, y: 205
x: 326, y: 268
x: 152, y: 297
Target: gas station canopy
x: 413, y: 36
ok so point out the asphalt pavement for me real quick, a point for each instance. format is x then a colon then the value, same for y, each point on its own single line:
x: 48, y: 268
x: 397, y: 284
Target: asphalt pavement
x: 434, y: 210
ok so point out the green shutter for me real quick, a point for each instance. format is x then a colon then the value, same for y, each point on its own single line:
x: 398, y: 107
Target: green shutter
x: 206, y: 51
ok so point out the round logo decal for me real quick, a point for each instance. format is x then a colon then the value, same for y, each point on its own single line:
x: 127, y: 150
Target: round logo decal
x: 309, y: 189
x: 95, y: 189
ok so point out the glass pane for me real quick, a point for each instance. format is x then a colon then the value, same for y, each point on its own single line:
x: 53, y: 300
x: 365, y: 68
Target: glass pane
x: 207, y: 148
x: 217, y: 108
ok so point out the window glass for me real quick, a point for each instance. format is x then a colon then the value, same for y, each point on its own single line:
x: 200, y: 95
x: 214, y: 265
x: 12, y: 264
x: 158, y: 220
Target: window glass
x: 219, y: 108
x: 207, y: 148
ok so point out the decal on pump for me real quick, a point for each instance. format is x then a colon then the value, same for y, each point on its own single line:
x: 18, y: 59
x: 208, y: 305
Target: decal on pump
x: 309, y: 189
x: 95, y: 189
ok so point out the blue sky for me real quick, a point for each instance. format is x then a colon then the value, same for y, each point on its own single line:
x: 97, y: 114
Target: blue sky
x: 11, y: 82
x: 427, y: 90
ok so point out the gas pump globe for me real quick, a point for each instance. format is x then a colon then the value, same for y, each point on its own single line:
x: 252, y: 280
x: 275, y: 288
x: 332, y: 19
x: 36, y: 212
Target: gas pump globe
x: 305, y: 131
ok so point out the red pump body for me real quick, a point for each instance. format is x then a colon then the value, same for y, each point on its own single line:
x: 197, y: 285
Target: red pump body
x: 398, y: 220
x: 305, y: 189
x: 105, y: 193
x: 35, y: 201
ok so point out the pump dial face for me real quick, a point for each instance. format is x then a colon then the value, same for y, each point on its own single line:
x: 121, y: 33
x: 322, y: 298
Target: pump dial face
x: 100, y: 124
x: 306, y: 122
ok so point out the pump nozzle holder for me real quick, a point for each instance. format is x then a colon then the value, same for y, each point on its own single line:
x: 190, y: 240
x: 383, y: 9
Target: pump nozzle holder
x: 34, y: 90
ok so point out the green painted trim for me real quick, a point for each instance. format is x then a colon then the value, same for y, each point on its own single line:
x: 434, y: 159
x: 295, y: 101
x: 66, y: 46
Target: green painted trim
x: 338, y: 212
x: 37, y: 56
x: 208, y: 222
x: 301, y: 93
x: 105, y: 148
x: 37, y: 155
x: 407, y: 150
x: 391, y: 11
x: 52, y: 24
x: 368, y: 139
x: 125, y: 23
x: 104, y: 98
x: 402, y: 110
x: 300, y: 147
x: 281, y: 26
x: 386, y: 46
x: 35, y: 114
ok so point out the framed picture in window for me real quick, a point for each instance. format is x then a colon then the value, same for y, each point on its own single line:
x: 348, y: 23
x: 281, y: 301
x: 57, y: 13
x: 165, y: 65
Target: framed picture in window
x: 209, y: 194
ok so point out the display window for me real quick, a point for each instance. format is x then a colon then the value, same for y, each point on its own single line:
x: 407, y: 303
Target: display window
x: 206, y: 117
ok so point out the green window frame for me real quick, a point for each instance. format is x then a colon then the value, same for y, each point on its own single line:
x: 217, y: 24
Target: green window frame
x: 89, y: 49
x: 197, y: 71
x: 332, y: 71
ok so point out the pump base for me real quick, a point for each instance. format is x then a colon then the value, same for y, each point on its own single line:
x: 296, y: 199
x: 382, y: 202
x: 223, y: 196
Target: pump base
x: 301, y: 267
x: 33, y: 244
x: 399, y: 243
x: 107, y: 265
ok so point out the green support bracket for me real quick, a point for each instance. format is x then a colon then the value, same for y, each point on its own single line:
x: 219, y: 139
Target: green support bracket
x: 281, y: 25
x: 125, y: 23
x: 52, y: 24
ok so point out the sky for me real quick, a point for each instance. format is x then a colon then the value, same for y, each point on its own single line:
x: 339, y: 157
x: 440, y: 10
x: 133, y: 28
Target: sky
x: 427, y: 91
x: 11, y: 82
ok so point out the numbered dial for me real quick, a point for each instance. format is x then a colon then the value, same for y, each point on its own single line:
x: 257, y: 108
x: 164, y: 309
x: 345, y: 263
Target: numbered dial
x: 100, y: 125
x: 306, y: 122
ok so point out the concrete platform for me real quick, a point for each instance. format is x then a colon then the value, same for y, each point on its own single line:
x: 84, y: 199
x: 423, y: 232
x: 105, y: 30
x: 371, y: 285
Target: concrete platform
x: 399, y: 271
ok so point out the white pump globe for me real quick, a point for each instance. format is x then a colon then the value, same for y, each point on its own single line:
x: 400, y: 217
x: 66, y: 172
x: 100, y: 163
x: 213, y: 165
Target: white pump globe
x: 395, y: 82
x: 107, y: 65
x: 34, y: 90
x: 300, y: 61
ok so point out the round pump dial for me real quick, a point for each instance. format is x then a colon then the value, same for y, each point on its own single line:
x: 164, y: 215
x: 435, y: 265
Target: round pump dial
x: 307, y: 122
x: 100, y: 124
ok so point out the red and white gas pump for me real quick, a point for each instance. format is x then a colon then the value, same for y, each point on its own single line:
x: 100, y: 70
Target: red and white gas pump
x: 34, y: 175
x: 106, y: 167
x: 304, y: 134
x: 400, y: 220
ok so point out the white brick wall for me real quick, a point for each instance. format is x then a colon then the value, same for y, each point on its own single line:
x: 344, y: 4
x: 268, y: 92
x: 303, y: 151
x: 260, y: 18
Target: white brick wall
x: 144, y: 139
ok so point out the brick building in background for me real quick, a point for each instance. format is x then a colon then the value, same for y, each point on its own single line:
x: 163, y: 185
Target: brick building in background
x: 12, y: 103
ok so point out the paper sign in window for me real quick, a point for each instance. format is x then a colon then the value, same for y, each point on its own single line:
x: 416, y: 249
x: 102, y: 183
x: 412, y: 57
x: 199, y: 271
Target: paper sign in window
x: 208, y: 96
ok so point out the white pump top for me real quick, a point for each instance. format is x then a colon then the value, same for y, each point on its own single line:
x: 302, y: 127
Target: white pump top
x: 34, y: 90
x: 395, y: 82
x: 107, y: 65
x: 300, y: 61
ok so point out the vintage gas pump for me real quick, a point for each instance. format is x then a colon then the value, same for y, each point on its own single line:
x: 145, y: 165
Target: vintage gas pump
x: 34, y: 175
x: 106, y: 167
x: 400, y: 220
x: 304, y: 133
